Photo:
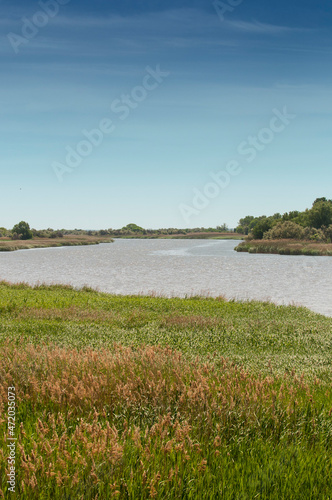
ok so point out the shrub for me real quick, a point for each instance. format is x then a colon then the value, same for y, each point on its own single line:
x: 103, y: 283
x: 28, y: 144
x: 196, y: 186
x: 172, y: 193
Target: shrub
x: 328, y: 233
x: 56, y: 234
x: 22, y: 230
x: 285, y: 230
x: 310, y: 233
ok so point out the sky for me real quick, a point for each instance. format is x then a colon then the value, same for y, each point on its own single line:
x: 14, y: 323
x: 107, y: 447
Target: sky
x: 163, y: 114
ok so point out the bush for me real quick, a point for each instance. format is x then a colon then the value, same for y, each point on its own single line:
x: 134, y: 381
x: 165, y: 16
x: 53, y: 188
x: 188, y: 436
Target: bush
x: 56, y: 234
x: 285, y: 230
x: 22, y: 231
x: 4, y: 232
x: 310, y: 233
x: 328, y: 233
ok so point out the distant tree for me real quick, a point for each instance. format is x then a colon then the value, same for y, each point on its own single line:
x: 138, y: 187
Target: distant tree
x: 134, y: 228
x: 240, y: 230
x: 318, y: 200
x: 56, y: 234
x: 262, y: 226
x: 244, y: 224
x: 223, y: 228
x: 319, y: 217
x: 22, y: 230
x: 320, y: 214
x: 290, y: 215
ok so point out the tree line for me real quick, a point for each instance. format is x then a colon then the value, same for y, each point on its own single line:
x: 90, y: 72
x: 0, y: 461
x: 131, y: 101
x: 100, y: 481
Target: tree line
x: 22, y: 231
x: 311, y: 224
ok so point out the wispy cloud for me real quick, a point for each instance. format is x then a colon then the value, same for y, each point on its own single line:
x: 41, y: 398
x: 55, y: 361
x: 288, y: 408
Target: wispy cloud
x: 263, y: 28
x: 186, y: 19
x: 157, y: 33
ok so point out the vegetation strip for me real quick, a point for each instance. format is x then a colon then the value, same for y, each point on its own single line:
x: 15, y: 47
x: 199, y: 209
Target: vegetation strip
x: 146, y: 397
x: 65, y: 241
x: 286, y: 247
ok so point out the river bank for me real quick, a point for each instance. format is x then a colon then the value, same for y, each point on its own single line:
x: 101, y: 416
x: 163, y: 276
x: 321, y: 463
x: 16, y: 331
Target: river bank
x: 286, y: 247
x: 183, y: 236
x: 111, y: 393
x: 9, y: 245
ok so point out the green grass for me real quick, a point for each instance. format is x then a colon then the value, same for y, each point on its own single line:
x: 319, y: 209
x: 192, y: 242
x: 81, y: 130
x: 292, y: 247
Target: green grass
x: 147, y: 397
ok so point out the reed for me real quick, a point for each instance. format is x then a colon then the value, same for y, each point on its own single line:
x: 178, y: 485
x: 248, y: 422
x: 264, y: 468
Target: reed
x: 8, y: 245
x: 147, y: 397
x: 286, y: 247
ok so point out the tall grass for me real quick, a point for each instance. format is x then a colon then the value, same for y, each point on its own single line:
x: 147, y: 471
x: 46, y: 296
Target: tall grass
x: 7, y: 245
x: 285, y: 247
x: 140, y: 397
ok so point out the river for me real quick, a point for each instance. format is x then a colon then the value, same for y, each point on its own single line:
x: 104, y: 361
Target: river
x: 178, y: 268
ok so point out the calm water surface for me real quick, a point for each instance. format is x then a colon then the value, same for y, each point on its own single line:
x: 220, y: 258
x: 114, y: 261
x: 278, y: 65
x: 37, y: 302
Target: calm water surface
x: 178, y: 267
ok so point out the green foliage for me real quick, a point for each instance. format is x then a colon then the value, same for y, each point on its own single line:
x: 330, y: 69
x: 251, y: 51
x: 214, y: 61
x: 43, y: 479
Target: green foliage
x: 315, y: 221
x: 22, y: 231
x: 262, y: 226
x: 244, y: 225
x: 328, y: 233
x: 133, y: 228
x: 129, y: 231
x: 222, y: 228
x: 250, y: 333
x: 320, y: 214
x: 100, y: 415
x: 4, y: 232
x: 285, y: 230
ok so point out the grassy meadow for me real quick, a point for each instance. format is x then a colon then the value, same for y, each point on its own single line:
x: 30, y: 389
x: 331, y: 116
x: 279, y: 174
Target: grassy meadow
x: 286, y: 247
x: 136, y: 397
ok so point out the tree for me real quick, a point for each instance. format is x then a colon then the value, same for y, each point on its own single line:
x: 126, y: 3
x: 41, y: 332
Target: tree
x: 223, y: 228
x: 320, y: 214
x: 262, y: 226
x: 22, y: 230
x: 318, y: 200
x: 133, y: 228
x: 244, y: 224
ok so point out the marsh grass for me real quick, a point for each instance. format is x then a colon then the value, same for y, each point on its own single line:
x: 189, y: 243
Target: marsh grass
x: 285, y: 247
x: 141, y: 397
x: 8, y: 245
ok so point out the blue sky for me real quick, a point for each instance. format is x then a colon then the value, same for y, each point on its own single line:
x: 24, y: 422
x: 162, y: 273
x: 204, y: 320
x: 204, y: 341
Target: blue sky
x: 226, y: 79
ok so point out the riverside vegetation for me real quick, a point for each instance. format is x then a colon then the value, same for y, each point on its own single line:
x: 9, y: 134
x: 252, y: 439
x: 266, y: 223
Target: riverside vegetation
x: 22, y: 237
x: 7, y: 245
x: 146, y: 397
x: 286, y: 247
x: 293, y: 233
